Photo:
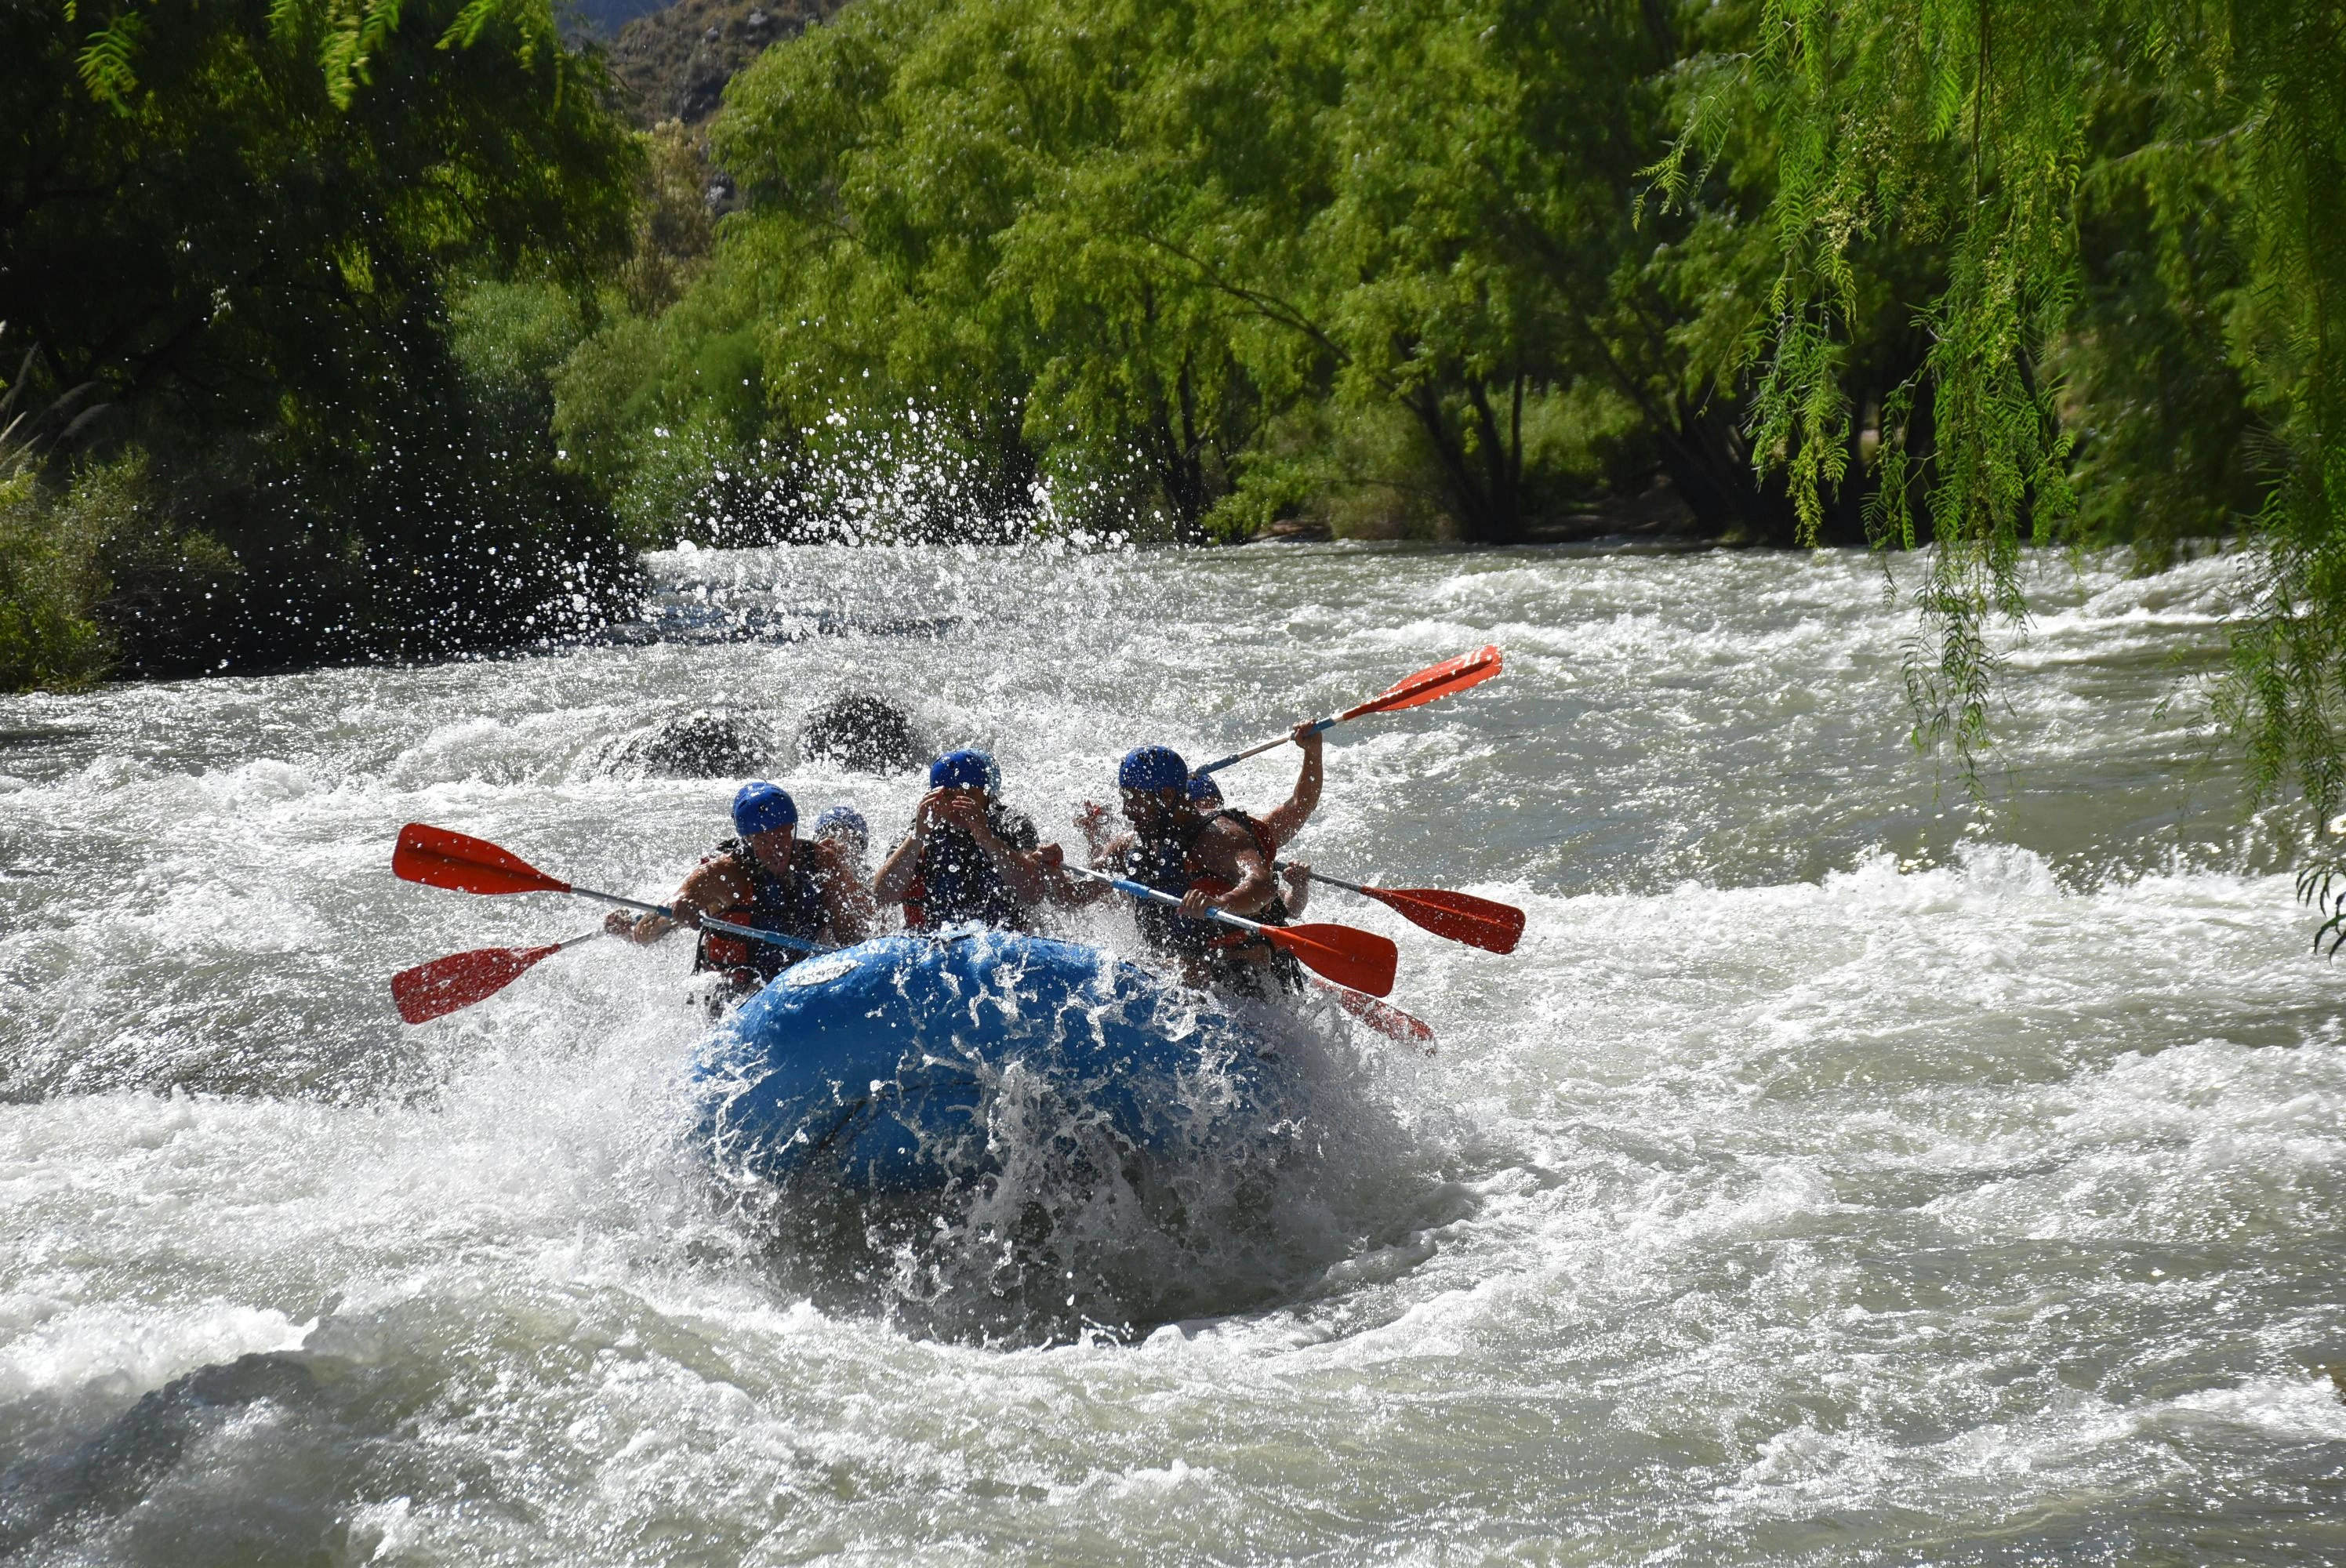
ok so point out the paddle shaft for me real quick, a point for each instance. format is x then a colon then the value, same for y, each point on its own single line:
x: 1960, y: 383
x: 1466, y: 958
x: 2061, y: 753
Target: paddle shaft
x: 1476, y: 921
x: 1428, y: 685
x: 441, y: 858
x: 708, y: 922
x: 1141, y: 891
x: 1331, y: 881
x: 1318, y: 725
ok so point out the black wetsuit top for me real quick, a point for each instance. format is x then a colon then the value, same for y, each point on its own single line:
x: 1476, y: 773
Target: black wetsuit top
x: 959, y: 882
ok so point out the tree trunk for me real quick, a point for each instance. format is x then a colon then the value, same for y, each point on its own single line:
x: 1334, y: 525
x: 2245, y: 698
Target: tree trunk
x: 1486, y: 495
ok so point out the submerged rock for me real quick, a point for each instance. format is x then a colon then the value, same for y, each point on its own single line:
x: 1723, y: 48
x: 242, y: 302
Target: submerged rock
x: 708, y: 743
x: 862, y: 730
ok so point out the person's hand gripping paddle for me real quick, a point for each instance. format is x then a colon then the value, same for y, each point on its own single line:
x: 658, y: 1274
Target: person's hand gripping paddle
x: 1431, y: 684
x: 1359, y: 959
x: 439, y: 857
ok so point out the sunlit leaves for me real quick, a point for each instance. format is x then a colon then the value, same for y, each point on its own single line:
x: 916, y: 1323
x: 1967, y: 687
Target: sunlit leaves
x: 1159, y: 227
x: 105, y: 60
x: 343, y: 37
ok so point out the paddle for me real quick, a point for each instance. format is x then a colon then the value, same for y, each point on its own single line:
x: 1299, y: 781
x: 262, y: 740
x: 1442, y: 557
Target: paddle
x: 437, y: 989
x: 1360, y: 959
x: 1436, y: 681
x: 1382, y: 1016
x: 438, y: 857
x: 1462, y: 917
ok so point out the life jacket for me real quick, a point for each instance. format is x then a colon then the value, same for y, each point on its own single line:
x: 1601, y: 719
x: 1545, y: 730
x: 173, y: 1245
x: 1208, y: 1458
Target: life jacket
x: 1168, y: 863
x: 955, y: 881
x: 790, y: 904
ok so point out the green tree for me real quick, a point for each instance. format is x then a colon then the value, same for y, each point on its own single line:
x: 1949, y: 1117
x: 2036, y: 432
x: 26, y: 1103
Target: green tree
x: 242, y: 223
x: 2005, y: 133
x: 1126, y: 245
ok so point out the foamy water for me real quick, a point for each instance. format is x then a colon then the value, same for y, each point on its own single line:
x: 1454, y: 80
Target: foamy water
x: 1837, y: 1173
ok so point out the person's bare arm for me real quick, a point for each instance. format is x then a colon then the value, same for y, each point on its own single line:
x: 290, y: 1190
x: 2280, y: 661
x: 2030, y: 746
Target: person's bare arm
x: 896, y: 871
x: 903, y: 862
x: 1286, y: 819
x: 706, y: 890
x: 1228, y: 852
x: 1074, y: 892
x: 1022, y: 870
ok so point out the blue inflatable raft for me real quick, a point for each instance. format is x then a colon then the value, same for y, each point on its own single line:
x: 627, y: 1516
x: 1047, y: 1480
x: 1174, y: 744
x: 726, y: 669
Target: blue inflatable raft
x: 875, y: 1067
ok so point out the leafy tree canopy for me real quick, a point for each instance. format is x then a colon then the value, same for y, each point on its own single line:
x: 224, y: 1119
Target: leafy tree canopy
x: 1124, y: 248
x: 240, y: 224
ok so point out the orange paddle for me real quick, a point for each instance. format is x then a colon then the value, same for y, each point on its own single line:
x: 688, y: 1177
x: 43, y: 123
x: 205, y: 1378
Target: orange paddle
x: 1462, y: 917
x: 1447, y: 678
x: 441, y: 858
x: 1360, y: 959
x: 1382, y: 1016
x: 437, y: 989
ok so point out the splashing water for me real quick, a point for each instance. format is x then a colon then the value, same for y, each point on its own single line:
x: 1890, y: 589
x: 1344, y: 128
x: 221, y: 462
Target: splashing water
x: 1837, y: 1173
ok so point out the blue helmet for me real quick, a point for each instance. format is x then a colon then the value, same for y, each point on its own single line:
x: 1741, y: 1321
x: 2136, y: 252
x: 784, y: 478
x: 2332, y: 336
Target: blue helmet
x: 760, y: 808
x: 962, y: 770
x: 1203, y: 791
x: 1152, y: 768
x: 844, y: 820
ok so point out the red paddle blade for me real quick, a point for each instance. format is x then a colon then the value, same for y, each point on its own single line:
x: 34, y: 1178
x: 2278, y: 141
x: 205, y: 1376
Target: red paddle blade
x: 1383, y: 1017
x: 1444, y: 679
x: 434, y: 990
x: 1360, y: 959
x: 1462, y: 917
x: 462, y: 864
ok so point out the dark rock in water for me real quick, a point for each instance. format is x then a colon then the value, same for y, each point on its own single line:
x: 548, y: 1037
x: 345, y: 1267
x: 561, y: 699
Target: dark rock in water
x: 865, y: 731
x: 705, y: 744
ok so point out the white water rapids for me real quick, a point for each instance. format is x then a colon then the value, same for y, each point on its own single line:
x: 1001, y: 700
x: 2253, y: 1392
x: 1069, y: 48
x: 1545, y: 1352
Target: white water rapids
x: 1836, y: 1174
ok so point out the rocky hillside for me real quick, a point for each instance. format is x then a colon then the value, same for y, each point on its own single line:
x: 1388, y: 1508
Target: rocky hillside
x: 602, y: 18
x: 674, y: 63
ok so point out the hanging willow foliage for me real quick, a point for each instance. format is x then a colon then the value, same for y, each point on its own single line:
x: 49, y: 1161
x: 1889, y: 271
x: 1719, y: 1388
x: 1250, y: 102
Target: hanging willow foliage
x: 343, y: 36
x: 1979, y: 124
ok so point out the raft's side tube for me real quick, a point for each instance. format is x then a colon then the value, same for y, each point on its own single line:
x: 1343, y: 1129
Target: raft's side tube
x: 872, y: 1065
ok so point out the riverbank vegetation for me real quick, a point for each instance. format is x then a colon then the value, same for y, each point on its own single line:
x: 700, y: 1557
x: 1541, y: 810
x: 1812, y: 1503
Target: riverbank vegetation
x: 1488, y: 272
x: 403, y: 340
x: 2135, y: 322
x: 283, y: 284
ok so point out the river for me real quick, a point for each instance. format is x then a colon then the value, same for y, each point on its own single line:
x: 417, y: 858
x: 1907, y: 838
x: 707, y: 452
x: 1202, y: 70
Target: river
x: 1840, y: 1171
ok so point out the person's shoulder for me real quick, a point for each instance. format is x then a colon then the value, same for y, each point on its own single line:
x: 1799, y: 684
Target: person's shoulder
x: 1015, y: 827
x: 1220, y: 829
x: 720, y: 869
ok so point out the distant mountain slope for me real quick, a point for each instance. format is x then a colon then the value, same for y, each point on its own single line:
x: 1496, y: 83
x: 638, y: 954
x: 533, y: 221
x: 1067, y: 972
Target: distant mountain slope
x: 603, y: 18
x: 674, y: 63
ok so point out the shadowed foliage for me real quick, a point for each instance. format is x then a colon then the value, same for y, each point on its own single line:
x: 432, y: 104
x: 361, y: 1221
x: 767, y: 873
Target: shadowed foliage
x: 252, y: 228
